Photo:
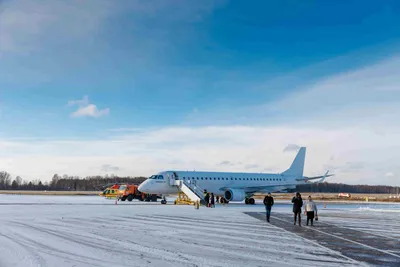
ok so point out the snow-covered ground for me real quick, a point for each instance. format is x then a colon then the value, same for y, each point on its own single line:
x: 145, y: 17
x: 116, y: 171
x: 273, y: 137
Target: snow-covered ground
x: 92, y: 231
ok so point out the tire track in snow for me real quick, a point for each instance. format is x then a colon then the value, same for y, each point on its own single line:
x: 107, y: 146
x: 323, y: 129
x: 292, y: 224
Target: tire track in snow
x: 45, y: 249
x: 159, y: 254
x: 33, y: 255
x: 192, y: 232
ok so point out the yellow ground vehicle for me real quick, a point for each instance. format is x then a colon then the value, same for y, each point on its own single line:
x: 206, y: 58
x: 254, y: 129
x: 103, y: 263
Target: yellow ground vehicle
x: 110, y: 193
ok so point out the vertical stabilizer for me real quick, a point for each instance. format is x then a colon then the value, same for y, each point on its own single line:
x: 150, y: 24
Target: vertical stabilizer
x: 297, y: 167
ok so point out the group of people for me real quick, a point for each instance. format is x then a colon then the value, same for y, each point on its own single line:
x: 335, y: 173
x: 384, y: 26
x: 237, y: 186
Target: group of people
x: 310, y: 208
x: 209, y: 199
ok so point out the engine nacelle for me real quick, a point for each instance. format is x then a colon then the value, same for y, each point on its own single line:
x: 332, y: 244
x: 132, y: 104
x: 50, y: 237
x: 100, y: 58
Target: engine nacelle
x: 234, y: 195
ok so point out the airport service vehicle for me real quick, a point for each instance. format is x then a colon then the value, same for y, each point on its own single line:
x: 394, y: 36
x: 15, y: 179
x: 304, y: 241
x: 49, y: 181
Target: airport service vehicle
x: 110, y: 193
x: 229, y: 186
x: 130, y: 192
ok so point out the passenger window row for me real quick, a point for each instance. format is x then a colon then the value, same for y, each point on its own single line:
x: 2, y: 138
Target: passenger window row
x: 240, y: 179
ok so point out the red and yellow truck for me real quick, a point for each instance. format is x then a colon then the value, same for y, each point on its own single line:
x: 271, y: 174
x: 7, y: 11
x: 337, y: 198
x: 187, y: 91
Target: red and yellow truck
x: 128, y: 192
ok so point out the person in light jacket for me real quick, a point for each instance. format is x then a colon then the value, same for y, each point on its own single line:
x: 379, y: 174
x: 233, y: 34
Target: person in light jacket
x: 311, y: 210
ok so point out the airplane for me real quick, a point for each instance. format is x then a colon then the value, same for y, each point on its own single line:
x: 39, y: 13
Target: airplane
x: 231, y: 186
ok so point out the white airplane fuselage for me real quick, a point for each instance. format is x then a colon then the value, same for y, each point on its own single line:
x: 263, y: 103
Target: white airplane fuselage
x: 233, y: 186
x: 217, y: 182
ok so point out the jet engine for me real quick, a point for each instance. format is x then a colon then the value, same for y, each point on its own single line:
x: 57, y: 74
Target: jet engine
x: 234, y: 195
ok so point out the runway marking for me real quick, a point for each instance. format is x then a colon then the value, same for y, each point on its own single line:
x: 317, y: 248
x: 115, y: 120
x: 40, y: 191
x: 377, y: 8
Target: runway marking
x: 365, y: 230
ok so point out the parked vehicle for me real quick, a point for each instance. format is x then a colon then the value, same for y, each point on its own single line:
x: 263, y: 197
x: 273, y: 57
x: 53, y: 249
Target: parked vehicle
x: 110, y: 193
x: 128, y: 192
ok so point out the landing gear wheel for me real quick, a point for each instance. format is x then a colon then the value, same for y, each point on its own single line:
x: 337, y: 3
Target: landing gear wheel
x: 223, y: 201
x: 251, y: 201
x: 129, y: 198
x: 163, y: 202
x: 246, y: 201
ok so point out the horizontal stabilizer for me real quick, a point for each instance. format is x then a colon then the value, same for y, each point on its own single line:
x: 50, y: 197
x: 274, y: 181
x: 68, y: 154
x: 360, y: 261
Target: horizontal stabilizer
x: 305, y: 178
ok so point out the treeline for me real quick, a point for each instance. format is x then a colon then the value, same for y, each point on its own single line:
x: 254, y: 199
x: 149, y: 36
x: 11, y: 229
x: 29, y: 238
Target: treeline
x: 346, y: 188
x: 65, y: 182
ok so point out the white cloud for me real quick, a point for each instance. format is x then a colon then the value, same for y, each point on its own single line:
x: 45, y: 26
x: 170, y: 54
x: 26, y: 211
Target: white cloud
x: 366, y: 93
x: 360, y: 96
x: 90, y: 111
x: 87, y: 110
x: 348, y: 122
x: 109, y: 168
x: 389, y: 174
x: 291, y: 147
x: 357, y: 152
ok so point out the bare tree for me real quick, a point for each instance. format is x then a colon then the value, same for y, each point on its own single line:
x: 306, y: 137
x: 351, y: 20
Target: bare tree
x: 5, y: 180
x: 18, y: 180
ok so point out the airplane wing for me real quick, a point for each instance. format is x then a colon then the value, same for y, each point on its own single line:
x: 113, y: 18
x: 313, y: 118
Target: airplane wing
x: 252, y: 189
x: 258, y: 189
x: 273, y: 188
x: 305, y: 178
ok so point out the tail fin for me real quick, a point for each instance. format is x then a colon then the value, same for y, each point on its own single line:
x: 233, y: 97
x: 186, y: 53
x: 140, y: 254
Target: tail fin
x: 297, y: 167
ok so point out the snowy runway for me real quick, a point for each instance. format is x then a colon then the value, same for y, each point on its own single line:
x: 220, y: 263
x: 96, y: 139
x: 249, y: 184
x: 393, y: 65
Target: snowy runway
x: 91, y: 231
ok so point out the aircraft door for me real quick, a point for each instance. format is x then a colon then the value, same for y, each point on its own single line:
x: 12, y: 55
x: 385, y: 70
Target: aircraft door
x: 171, y: 179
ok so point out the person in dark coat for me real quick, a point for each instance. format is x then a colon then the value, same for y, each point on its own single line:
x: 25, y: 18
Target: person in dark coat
x: 297, y: 204
x: 212, y: 201
x: 268, y: 202
x: 207, y: 199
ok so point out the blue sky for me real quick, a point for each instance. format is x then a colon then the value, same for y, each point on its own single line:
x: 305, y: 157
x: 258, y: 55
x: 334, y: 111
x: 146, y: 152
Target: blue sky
x: 145, y: 66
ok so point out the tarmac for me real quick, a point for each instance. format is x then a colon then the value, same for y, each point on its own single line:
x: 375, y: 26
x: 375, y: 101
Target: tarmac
x: 367, y: 247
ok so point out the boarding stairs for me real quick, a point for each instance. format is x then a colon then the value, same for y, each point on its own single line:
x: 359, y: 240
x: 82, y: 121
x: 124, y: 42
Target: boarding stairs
x: 189, y: 193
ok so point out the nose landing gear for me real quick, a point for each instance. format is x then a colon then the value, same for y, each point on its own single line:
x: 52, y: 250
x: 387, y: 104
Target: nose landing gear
x: 163, y: 201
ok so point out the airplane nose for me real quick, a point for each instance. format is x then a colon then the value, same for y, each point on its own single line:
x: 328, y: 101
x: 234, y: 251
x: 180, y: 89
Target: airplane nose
x: 143, y: 187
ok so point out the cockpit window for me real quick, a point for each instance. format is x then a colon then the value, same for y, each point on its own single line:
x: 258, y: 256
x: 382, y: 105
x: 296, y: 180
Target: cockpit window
x: 160, y: 177
x: 153, y: 177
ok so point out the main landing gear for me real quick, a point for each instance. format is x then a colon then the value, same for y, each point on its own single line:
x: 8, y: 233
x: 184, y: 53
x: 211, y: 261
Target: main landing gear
x: 223, y: 201
x: 250, y: 201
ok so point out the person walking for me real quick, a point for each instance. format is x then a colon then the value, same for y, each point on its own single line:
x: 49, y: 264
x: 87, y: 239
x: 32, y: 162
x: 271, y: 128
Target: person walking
x: 297, y: 204
x: 212, y: 201
x: 268, y: 202
x: 311, y: 210
x: 207, y: 199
